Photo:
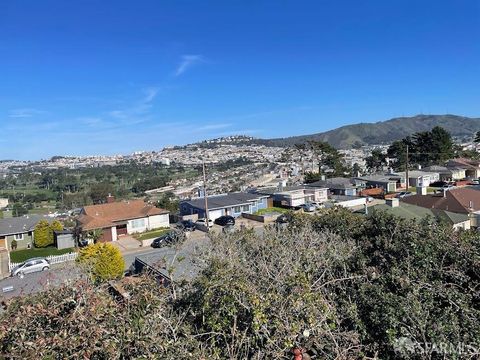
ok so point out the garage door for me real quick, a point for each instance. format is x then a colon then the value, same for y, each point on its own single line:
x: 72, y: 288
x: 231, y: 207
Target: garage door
x: 122, y: 229
x: 215, y: 214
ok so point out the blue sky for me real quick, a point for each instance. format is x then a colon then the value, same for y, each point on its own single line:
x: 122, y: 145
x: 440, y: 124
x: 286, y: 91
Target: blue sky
x: 91, y: 77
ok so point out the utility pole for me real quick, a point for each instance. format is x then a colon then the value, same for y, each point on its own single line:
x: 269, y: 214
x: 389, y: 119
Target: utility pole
x: 406, y: 171
x: 205, y: 197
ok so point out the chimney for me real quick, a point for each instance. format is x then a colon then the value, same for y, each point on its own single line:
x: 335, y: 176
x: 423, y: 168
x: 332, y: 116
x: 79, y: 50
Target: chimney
x: 110, y: 199
x: 393, y: 202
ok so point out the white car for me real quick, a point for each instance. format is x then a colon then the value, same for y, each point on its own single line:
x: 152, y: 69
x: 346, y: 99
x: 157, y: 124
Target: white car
x: 308, y: 207
x: 30, y: 266
x: 203, y: 222
x: 317, y: 205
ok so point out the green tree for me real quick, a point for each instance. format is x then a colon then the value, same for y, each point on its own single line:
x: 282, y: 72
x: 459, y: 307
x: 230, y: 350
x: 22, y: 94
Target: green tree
x: 56, y: 226
x: 477, y: 137
x: 328, y: 157
x: 43, y: 235
x: 425, y: 148
x: 19, y: 210
x: 100, y: 191
x: 103, y: 261
x: 376, y: 161
x: 168, y: 201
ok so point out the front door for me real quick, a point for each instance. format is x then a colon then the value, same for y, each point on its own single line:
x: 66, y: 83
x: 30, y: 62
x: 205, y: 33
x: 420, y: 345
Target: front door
x: 3, y: 243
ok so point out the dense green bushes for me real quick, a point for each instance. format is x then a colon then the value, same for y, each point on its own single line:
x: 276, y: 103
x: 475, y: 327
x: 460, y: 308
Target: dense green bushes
x: 339, y: 285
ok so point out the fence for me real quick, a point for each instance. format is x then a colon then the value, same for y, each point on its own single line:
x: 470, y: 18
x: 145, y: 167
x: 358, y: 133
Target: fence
x: 52, y: 259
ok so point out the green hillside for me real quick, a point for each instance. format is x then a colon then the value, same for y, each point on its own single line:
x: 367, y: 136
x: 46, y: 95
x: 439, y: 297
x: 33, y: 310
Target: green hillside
x: 384, y: 131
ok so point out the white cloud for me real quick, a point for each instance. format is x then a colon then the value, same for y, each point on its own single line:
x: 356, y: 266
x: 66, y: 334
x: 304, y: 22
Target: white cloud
x: 25, y: 113
x: 187, y: 62
x: 213, y: 127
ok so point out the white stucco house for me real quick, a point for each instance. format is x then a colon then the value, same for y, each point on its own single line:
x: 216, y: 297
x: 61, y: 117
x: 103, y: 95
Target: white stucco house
x: 121, y: 218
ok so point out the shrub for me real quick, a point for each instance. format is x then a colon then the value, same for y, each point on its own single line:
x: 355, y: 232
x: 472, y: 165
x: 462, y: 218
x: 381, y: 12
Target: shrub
x: 43, y: 235
x: 104, y: 261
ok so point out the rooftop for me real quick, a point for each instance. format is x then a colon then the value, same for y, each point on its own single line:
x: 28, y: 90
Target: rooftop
x: 19, y: 225
x: 221, y: 201
x: 105, y: 215
x: 413, y: 212
x: 463, y: 201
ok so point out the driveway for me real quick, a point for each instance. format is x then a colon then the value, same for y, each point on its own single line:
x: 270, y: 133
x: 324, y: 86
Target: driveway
x: 127, y: 243
x: 4, y: 264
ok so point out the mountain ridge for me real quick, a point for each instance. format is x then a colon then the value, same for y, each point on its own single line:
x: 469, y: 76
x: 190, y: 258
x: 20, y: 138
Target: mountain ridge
x: 383, y: 132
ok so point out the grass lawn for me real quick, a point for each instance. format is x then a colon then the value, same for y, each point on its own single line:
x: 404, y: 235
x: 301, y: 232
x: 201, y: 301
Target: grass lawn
x: 151, y: 234
x: 22, y: 255
x: 271, y: 210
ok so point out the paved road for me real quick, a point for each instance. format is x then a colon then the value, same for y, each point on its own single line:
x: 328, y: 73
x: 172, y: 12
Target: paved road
x: 68, y: 271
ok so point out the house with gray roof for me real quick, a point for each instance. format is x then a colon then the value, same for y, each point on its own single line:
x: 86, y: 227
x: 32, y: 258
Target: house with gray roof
x: 19, y: 229
x: 447, y: 173
x: 413, y: 212
x: 339, y: 186
x: 233, y: 204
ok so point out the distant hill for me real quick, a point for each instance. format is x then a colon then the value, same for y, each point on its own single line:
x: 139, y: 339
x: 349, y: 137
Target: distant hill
x: 383, y: 131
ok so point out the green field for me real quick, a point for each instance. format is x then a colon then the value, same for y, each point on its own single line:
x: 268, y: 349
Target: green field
x: 22, y: 255
x: 151, y: 234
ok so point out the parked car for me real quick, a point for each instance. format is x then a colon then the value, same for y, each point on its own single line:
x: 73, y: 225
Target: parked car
x: 167, y: 239
x: 317, y: 205
x: 225, y: 220
x: 204, y: 222
x: 475, y: 182
x: 308, y: 207
x: 30, y: 266
x: 403, y: 194
x: 186, y: 225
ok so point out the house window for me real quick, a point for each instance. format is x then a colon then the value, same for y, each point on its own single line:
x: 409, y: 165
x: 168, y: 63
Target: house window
x: 237, y: 209
x: 18, y: 237
x: 245, y: 208
x: 137, y: 223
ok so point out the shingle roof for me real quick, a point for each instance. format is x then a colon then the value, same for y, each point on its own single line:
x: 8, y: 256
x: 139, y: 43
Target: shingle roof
x: 334, y: 183
x: 456, y: 200
x: 105, y: 215
x: 221, y: 201
x: 409, y: 211
x: 19, y: 225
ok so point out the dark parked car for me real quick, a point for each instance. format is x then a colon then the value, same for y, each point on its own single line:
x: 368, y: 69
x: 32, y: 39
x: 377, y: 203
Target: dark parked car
x: 186, y: 225
x: 167, y: 239
x: 225, y: 220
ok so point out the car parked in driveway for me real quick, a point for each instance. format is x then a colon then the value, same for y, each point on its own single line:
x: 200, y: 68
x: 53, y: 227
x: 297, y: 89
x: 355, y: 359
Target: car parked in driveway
x: 203, y: 222
x: 308, y: 207
x: 225, y: 220
x: 30, y: 266
x: 186, y: 225
x: 167, y: 239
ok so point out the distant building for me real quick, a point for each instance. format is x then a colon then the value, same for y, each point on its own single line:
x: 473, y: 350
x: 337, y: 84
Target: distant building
x: 293, y: 196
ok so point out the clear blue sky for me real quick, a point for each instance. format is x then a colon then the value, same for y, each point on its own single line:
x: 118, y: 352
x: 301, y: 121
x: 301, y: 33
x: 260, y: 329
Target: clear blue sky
x: 88, y: 77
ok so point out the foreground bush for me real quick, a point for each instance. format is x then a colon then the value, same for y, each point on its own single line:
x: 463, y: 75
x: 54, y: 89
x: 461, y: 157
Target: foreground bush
x: 103, y: 261
x: 339, y: 286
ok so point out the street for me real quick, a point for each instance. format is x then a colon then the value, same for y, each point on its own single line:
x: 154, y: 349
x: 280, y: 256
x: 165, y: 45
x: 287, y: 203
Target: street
x: 70, y: 271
